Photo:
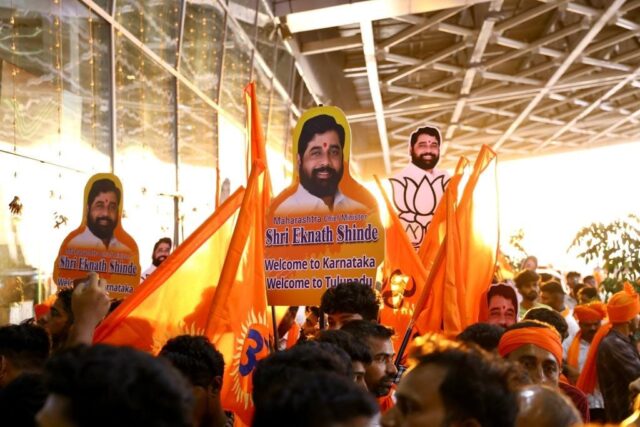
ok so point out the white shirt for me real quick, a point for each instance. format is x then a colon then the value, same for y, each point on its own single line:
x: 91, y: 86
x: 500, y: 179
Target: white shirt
x: 147, y: 273
x: 416, y: 194
x: 572, y: 323
x: 304, y: 202
x: 88, y: 240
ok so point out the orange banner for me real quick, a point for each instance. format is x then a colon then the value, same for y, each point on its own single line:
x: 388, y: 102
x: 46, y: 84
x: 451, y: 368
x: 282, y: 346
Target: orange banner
x: 325, y: 228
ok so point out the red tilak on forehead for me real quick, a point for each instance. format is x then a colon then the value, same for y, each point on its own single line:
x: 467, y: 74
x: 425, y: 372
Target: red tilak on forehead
x: 324, y: 145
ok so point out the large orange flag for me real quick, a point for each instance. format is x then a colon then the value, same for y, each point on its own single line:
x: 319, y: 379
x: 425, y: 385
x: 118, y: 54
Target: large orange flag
x: 464, y: 264
x: 403, y: 274
x: 176, y: 298
x: 433, y: 250
x: 478, y: 227
x: 437, y: 229
x: 238, y: 324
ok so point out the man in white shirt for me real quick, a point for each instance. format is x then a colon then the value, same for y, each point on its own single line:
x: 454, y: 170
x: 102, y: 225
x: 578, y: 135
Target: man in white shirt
x: 419, y: 187
x: 552, y: 294
x: 161, y: 251
x: 103, y: 206
x: 320, y: 169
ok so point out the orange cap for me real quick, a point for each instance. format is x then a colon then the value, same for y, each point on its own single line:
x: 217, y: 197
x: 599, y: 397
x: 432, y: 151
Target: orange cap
x: 592, y: 312
x: 624, y: 305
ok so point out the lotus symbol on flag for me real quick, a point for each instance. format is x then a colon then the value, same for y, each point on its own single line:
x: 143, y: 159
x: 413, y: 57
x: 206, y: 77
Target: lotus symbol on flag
x: 416, y: 203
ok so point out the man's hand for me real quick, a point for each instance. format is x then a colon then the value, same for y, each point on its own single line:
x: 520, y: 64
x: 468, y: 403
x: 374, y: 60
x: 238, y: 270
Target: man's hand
x: 90, y: 304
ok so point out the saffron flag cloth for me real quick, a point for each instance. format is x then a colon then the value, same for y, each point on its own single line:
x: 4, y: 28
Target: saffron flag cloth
x: 238, y: 325
x: 256, y: 143
x: 432, y: 254
x: 176, y: 299
x: 403, y: 274
x: 465, y: 262
x: 437, y: 229
x: 478, y: 228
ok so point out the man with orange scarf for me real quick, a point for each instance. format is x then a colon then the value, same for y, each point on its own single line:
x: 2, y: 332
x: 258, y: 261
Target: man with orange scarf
x: 589, y: 318
x: 537, y: 347
x: 613, y: 361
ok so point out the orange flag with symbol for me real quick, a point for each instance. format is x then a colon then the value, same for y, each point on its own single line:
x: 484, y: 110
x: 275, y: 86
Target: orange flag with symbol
x: 176, y: 298
x: 238, y: 324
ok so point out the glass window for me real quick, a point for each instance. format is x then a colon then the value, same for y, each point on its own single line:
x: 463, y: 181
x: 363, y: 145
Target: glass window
x: 266, y: 37
x: 197, y: 142
x: 202, y: 45
x: 263, y: 91
x: 284, y: 68
x: 236, y: 72
x: 244, y: 11
x: 55, y: 84
x: 154, y: 22
x: 145, y: 118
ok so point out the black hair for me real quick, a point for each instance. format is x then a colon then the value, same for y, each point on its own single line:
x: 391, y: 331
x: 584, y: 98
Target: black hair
x: 312, y: 309
x: 484, y: 335
x: 552, y: 287
x: 103, y: 186
x: 505, y: 291
x: 587, y: 279
x: 166, y: 240
x: 108, y: 386
x: 589, y: 292
x: 551, y: 317
x: 357, y: 350
x: 426, y: 130
x: 351, y: 297
x: 318, y: 125
x: 475, y: 386
x: 363, y: 330
x: 196, y: 358
x: 27, y: 346
x: 315, y: 399
x: 22, y: 399
x: 525, y: 277
x: 572, y: 274
x: 274, y: 373
x: 65, y: 296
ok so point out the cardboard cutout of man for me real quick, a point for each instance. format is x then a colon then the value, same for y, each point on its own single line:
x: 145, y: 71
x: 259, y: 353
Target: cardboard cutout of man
x: 320, y: 169
x: 419, y: 187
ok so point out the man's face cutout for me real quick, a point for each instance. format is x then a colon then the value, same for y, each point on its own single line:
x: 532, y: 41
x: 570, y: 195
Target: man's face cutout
x: 501, y: 311
x: 102, y: 215
x: 320, y: 168
x: 425, y: 153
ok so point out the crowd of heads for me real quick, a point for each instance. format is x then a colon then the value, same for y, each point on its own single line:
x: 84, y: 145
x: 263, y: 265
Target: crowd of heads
x: 507, y: 371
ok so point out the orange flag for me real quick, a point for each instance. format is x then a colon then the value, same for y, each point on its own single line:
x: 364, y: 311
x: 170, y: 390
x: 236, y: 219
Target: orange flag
x: 257, y: 147
x: 437, y: 229
x: 403, y: 274
x: 478, y: 225
x: 442, y: 311
x: 176, y: 299
x: 465, y: 262
x: 238, y: 324
x: 432, y: 254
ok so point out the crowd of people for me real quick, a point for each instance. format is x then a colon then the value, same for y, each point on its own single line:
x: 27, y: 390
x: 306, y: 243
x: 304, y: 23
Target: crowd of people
x: 544, y: 356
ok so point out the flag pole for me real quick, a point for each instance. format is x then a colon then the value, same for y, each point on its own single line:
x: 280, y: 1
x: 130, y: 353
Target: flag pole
x: 275, y: 329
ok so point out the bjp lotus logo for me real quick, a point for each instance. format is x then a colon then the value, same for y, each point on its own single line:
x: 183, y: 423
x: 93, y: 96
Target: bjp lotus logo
x: 416, y: 204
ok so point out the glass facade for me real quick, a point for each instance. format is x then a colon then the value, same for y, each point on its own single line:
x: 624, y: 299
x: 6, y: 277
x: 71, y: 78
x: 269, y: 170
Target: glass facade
x: 148, y: 90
